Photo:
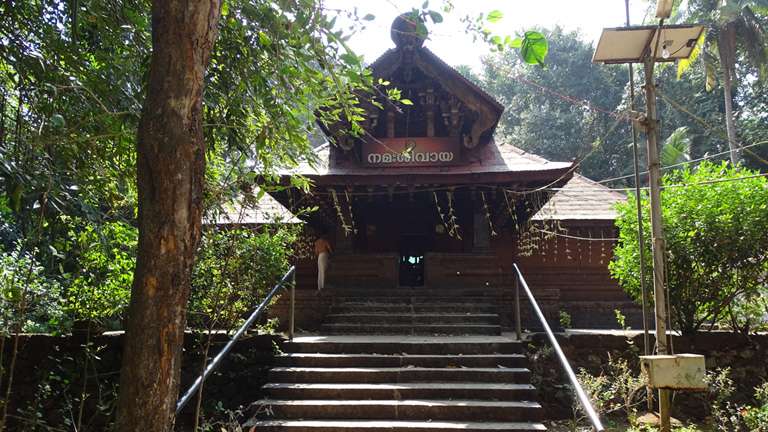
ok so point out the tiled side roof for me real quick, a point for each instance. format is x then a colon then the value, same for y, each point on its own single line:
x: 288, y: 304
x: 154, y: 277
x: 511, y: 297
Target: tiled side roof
x: 581, y: 199
x: 493, y: 158
x: 266, y: 211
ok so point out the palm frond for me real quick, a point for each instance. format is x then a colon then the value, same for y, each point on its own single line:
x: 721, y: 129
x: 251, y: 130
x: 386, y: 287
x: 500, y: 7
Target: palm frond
x: 754, y: 38
x: 685, y: 64
x: 676, y: 148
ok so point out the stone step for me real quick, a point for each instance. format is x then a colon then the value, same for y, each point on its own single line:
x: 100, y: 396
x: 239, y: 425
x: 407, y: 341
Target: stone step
x: 412, y: 318
x: 416, y: 329
x: 422, y: 292
x: 391, y: 426
x: 397, y: 375
x: 395, y: 360
x: 388, y: 307
x: 403, y: 345
x: 422, y: 299
x: 410, y: 409
x: 431, y: 390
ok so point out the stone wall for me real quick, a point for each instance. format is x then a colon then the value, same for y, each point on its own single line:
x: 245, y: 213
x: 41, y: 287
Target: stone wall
x: 745, y: 356
x: 49, y: 371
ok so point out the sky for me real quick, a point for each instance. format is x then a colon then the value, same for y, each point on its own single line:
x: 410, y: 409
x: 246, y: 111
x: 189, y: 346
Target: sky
x: 449, y: 39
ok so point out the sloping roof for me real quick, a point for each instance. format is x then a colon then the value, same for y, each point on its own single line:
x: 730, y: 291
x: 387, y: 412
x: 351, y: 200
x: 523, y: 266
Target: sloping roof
x: 265, y: 211
x: 581, y: 199
x: 493, y: 162
x: 393, y: 53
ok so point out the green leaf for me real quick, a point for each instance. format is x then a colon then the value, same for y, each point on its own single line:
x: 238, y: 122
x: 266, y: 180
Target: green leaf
x: 406, y: 102
x: 369, y: 17
x: 516, y: 43
x: 436, y: 17
x: 57, y: 120
x: 264, y: 39
x: 534, y: 48
x: 350, y: 59
x: 676, y: 148
x: 494, y: 16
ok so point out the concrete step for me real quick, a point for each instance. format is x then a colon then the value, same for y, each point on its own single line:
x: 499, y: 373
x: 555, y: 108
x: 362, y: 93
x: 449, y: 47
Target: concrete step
x: 421, y: 292
x: 391, y: 426
x: 379, y: 344
x: 420, y: 299
x: 410, y: 409
x: 397, y: 375
x: 396, y: 360
x: 385, y: 391
x: 412, y: 318
x: 389, y: 307
x: 416, y: 329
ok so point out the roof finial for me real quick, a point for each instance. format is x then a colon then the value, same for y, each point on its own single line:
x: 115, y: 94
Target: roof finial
x: 408, y: 30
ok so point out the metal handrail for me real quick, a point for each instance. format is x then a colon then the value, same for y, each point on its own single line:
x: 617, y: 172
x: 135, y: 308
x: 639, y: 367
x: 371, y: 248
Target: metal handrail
x: 580, y: 394
x: 291, y: 274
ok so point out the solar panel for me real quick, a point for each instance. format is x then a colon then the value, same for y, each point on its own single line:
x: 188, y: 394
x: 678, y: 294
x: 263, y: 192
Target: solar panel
x: 634, y: 44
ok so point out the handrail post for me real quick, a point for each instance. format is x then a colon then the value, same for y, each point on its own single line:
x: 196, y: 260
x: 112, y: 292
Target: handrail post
x: 518, y: 325
x: 292, y: 312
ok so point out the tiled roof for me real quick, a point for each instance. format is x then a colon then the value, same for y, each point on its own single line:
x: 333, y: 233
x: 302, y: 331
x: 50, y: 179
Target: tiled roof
x: 265, y: 211
x: 492, y: 158
x: 581, y: 199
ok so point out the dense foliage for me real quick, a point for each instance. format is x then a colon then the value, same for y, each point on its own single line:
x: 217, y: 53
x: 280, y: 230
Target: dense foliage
x: 234, y: 270
x: 538, y: 120
x: 715, y: 220
x: 568, y: 109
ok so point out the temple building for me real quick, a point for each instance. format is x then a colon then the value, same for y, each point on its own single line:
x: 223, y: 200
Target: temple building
x: 427, y: 199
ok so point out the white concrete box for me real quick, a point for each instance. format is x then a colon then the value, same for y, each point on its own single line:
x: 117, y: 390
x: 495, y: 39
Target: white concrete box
x: 675, y: 372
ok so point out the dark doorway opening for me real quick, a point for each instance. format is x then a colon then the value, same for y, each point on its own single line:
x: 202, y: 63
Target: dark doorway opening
x: 412, y: 249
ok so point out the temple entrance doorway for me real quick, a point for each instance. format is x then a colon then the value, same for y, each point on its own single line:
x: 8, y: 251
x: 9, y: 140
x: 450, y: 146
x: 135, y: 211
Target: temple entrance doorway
x: 412, y: 250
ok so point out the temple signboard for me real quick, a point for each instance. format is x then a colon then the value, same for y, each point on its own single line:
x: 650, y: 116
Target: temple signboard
x: 412, y: 151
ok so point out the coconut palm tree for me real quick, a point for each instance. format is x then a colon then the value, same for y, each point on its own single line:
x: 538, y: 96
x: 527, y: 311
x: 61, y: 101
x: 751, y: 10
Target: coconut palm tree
x: 735, y: 30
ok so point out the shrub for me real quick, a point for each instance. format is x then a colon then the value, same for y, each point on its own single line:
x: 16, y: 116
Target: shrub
x: 234, y: 270
x: 29, y: 301
x: 717, y: 250
x: 99, y: 287
x: 756, y: 417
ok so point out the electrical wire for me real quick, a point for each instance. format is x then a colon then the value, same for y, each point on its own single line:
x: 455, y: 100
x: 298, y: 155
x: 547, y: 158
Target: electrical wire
x: 612, y: 179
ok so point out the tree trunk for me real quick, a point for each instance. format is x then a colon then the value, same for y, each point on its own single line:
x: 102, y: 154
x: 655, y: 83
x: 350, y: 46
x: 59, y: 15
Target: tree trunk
x: 170, y: 169
x: 727, y: 51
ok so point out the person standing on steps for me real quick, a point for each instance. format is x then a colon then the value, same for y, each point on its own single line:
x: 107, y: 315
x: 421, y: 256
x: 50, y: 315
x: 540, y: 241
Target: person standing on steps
x: 323, y: 251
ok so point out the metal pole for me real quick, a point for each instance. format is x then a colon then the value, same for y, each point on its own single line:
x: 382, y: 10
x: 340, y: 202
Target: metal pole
x: 292, y: 312
x: 577, y: 388
x: 640, y: 230
x: 518, y: 326
x: 657, y: 235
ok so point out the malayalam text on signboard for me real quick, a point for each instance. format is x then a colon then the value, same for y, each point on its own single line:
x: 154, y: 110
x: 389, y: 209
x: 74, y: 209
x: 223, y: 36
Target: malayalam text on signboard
x: 420, y: 151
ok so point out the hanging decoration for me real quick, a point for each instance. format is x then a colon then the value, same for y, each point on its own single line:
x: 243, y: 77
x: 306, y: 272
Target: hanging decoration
x: 511, y: 208
x: 602, y: 247
x: 488, y: 214
x: 334, y: 197
x: 351, y: 214
x: 454, y: 228
x: 445, y: 220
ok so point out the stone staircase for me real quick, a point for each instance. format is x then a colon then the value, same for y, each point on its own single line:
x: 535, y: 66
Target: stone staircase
x: 402, y: 363
x: 415, y: 311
